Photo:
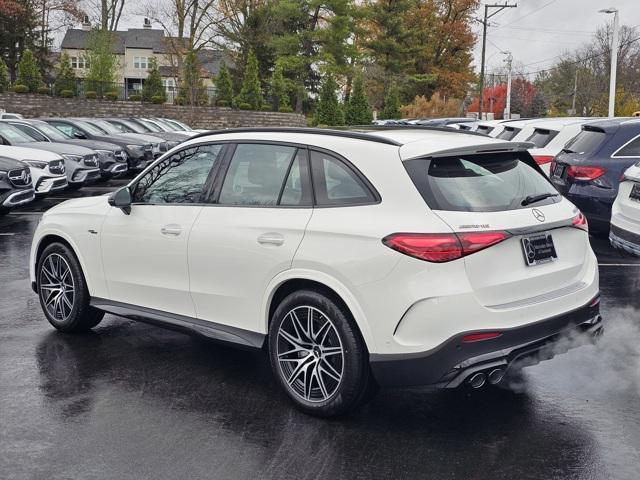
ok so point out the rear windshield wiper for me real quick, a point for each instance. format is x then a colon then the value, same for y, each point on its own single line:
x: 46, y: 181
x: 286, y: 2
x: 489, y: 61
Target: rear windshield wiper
x: 537, y: 198
x: 567, y: 150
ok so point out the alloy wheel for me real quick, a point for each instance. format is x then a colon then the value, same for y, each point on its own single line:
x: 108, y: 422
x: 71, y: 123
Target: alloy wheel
x: 310, y: 354
x: 57, y: 287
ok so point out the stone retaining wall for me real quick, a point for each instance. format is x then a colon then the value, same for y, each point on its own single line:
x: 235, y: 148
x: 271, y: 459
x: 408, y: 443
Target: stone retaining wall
x: 197, y: 117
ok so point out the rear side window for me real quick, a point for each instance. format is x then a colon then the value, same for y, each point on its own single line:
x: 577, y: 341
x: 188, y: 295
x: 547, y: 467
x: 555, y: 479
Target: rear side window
x: 486, y: 129
x: 478, y: 183
x: 631, y: 149
x: 336, y: 183
x: 508, y: 133
x: 541, y: 137
x: 587, y: 141
x: 265, y: 175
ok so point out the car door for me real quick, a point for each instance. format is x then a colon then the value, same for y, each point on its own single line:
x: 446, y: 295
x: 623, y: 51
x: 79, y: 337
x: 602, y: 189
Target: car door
x: 145, y: 252
x: 260, y: 208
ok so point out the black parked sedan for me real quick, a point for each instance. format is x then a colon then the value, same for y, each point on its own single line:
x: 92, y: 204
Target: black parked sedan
x: 16, y: 187
x: 139, y: 153
x: 589, y: 169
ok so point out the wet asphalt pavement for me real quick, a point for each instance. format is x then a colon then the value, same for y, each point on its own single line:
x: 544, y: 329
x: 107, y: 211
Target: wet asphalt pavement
x: 133, y: 401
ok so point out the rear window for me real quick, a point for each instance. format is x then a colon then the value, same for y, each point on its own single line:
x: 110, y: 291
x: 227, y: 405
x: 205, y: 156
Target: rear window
x: 491, y: 182
x: 541, y: 137
x: 508, y: 133
x: 587, y: 141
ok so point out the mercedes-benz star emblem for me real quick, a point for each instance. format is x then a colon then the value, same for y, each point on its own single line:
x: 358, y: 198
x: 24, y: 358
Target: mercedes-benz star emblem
x: 538, y: 214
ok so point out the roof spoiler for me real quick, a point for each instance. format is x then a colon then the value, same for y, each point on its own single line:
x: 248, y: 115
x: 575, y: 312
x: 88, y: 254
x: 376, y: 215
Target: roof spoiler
x: 501, y: 147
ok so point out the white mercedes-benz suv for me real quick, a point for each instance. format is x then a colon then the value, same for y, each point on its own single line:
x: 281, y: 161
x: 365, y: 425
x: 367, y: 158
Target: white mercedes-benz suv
x: 395, y: 256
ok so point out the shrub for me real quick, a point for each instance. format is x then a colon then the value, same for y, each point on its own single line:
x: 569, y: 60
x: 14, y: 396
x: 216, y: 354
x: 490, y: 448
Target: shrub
x: 285, y: 109
x: 21, y: 88
x: 44, y: 90
x: 222, y: 103
x: 244, y: 106
x: 135, y: 98
x: 29, y: 72
x: 179, y: 100
x: 266, y: 108
x: 91, y: 95
x: 66, y: 93
x: 65, y: 76
x: 224, y: 86
x: 113, y: 96
x: 158, y: 99
x: 4, y: 76
x: 251, y: 92
x: 153, y: 87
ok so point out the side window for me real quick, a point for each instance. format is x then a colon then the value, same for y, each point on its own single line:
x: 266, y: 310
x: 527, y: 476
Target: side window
x: 257, y: 174
x: 631, y: 149
x: 178, y: 179
x: 32, y: 132
x: 65, y: 128
x: 335, y: 183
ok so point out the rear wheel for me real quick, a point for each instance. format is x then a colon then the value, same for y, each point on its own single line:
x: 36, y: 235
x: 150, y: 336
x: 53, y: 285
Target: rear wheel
x: 318, y: 356
x: 63, y: 292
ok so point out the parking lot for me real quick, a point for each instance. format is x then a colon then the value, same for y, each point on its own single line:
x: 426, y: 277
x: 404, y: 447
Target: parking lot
x: 131, y: 400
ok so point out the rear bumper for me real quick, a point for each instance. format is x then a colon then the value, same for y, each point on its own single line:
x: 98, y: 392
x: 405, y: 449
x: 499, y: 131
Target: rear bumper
x: 454, y: 362
x: 624, y: 240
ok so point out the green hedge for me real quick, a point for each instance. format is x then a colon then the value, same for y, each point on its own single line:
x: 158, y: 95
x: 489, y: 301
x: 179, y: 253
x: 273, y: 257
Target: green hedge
x: 21, y: 89
x: 67, y: 94
x: 158, y: 99
x: 91, y: 95
x: 113, y: 96
x: 135, y: 98
x: 244, y: 106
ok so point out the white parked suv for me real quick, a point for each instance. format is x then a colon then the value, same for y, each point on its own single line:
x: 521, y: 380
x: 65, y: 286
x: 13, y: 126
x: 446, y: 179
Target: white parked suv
x: 625, y: 214
x: 47, y: 168
x: 395, y: 256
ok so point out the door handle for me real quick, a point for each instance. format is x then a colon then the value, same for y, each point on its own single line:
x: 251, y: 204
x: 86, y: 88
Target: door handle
x: 271, y: 238
x: 171, y: 229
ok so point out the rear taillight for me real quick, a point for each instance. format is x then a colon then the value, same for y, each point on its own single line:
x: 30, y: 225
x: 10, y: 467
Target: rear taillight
x: 580, y: 221
x: 585, y: 173
x: 442, y: 247
x: 543, y: 159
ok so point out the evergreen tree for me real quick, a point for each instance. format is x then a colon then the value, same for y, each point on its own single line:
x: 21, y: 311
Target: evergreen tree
x: 153, y: 84
x: 192, y: 90
x: 28, y: 72
x: 279, y: 87
x: 4, y: 76
x: 65, y: 76
x: 538, y: 105
x: 328, y: 110
x: 103, y: 63
x: 391, y: 108
x: 224, y: 87
x: 251, y: 92
x: 358, y: 111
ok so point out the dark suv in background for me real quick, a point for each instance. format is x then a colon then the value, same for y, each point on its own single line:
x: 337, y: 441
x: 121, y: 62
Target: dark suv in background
x: 139, y: 153
x: 589, y: 169
x: 16, y: 187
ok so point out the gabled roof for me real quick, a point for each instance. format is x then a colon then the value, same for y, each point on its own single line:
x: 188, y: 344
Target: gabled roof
x: 133, y: 38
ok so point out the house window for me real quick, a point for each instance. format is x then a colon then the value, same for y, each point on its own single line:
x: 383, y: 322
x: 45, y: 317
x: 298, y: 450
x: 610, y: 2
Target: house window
x: 79, y: 62
x: 142, y: 63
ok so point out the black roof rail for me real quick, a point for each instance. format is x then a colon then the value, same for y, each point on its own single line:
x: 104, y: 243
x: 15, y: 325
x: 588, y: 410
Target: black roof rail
x: 416, y: 127
x: 312, y: 131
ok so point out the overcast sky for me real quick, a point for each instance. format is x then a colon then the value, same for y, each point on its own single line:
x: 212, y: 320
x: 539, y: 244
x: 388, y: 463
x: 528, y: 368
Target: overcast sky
x: 537, y: 31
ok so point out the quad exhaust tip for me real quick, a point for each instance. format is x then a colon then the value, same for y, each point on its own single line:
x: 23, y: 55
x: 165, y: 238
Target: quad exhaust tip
x: 477, y: 380
x: 496, y: 376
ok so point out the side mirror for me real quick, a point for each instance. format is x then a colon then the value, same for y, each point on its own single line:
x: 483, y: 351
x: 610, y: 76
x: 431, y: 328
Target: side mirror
x: 121, y: 199
x: 80, y: 135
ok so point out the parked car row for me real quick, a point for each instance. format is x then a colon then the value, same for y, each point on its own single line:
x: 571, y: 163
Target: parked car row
x: 41, y: 156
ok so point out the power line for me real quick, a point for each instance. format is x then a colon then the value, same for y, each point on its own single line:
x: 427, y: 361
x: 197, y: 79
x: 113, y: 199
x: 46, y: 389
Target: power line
x: 527, y: 14
x: 574, y: 62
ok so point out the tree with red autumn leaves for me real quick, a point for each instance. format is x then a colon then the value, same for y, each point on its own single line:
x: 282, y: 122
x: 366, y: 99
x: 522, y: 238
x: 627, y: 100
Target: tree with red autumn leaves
x: 526, y: 99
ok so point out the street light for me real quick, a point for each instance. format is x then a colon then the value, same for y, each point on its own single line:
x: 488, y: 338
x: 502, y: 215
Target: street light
x: 614, y: 60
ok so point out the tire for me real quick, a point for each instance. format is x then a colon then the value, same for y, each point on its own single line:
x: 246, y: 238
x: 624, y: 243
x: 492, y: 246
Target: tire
x: 325, y: 373
x: 67, y: 310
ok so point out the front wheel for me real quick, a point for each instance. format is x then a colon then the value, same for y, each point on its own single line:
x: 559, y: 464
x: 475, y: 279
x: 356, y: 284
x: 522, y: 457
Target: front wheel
x: 318, y: 355
x: 63, y: 292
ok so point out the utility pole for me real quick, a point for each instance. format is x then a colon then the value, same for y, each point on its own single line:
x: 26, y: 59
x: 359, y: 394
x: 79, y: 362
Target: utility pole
x: 485, y: 23
x: 614, y: 60
x: 575, y: 93
x: 507, y: 110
